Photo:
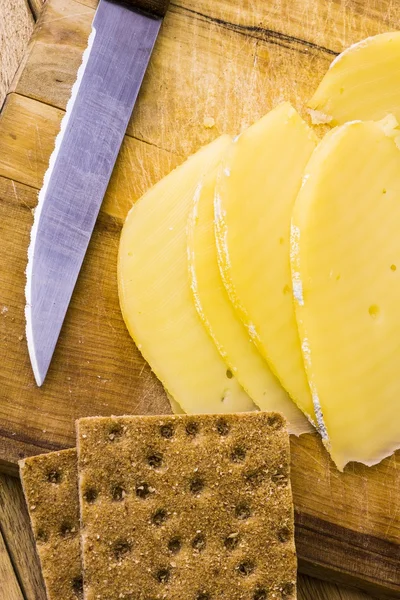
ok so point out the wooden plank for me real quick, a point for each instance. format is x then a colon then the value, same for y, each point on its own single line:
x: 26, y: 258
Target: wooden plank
x: 27, y: 133
x: 266, y: 50
x: 16, y: 531
x: 178, y: 95
x: 9, y: 589
x: 16, y: 26
x: 309, y: 588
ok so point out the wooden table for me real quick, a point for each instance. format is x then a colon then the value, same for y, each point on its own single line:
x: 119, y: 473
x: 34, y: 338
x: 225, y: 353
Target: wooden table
x: 20, y: 577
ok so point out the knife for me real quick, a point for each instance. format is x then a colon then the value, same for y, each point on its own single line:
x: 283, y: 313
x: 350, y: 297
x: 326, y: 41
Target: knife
x: 113, y: 65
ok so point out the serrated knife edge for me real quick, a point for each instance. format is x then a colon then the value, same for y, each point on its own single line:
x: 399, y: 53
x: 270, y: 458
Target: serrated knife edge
x: 41, y: 198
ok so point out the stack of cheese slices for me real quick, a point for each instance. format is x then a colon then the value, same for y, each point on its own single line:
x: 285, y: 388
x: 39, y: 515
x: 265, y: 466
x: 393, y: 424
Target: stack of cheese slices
x: 265, y: 271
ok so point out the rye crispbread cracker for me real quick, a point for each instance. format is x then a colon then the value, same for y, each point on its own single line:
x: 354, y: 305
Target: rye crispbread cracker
x: 50, y: 483
x: 186, y: 508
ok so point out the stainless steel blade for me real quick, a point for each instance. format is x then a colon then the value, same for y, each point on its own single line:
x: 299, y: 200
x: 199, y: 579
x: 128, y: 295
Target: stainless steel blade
x: 91, y: 133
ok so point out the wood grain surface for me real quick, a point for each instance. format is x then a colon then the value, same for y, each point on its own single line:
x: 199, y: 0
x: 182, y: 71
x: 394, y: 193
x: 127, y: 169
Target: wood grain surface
x: 11, y: 589
x: 348, y: 526
x: 18, y: 539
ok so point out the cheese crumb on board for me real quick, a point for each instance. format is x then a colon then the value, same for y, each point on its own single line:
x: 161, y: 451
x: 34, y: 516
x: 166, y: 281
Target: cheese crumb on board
x: 209, y: 122
x: 253, y: 209
x: 362, y: 83
x: 221, y: 320
x: 346, y: 223
x: 155, y: 295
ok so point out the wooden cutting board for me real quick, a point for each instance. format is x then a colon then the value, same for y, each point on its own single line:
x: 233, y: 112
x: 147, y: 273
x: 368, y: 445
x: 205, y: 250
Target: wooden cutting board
x: 226, y: 60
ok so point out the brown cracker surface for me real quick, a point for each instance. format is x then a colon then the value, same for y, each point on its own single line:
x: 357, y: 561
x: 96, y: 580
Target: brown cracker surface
x: 50, y: 483
x: 186, y: 508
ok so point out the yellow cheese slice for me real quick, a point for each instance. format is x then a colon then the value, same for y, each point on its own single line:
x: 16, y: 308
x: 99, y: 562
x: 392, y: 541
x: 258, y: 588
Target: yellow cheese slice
x: 346, y: 261
x: 257, y: 184
x: 221, y: 320
x: 155, y: 296
x: 362, y: 83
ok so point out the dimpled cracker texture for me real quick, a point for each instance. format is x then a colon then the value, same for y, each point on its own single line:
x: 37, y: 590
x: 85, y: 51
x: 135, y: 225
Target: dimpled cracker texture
x: 186, y: 507
x: 50, y: 483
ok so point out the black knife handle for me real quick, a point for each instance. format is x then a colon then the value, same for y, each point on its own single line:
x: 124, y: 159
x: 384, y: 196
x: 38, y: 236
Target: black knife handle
x: 154, y: 7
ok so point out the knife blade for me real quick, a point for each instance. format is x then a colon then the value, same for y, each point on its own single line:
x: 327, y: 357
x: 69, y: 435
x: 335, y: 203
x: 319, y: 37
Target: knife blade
x: 91, y: 133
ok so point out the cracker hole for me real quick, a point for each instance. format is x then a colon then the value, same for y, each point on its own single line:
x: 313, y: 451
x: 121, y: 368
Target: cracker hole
x: 281, y: 476
x: 246, y: 568
x: 286, y: 289
x: 67, y: 529
x: 238, y: 454
x: 77, y: 586
x: 196, y: 486
x: 159, y: 517
x: 90, y: 495
x: 393, y: 267
x: 121, y: 549
x: 284, y: 534
x: 231, y: 541
x: 163, y: 575
x: 199, y: 542
x: 155, y: 460
x: 115, y: 432
x: 288, y: 590
x: 42, y: 536
x: 255, y: 478
x: 192, y: 428
x: 144, y: 490
x: 167, y: 431
x: 281, y: 241
x: 174, y: 545
x: 260, y: 594
x: 275, y: 421
x: 243, y: 511
x: 203, y: 596
x: 54, y: 476
x: 222, y: 427
x: 118, y: 493
x: 229, y: 374
x: 384, y: 191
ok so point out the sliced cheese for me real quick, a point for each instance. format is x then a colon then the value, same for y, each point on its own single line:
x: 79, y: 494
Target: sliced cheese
x: 221, y: 320
x: 257, y: 184
x: 155, y: 296
x: 362, y: 83
x: 346, y: 262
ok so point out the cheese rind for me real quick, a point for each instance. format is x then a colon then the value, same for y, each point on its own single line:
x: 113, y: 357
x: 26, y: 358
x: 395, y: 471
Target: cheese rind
x: 221, y: 320
x: 346, y: 256
x: 155, y: 296
x: 257, y: 184
x: 362, y: 83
